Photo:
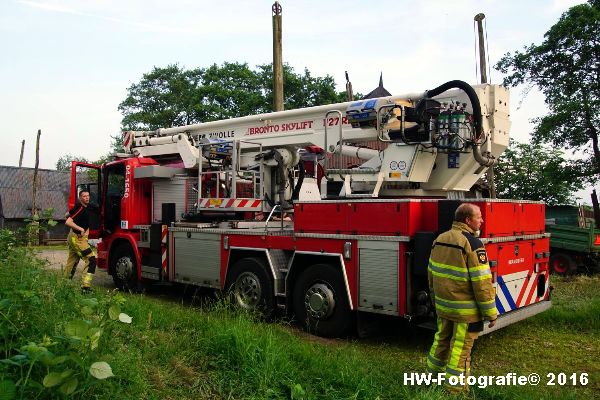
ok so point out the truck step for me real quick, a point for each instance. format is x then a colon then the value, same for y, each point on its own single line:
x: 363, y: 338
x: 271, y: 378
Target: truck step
x: 150, y: 272
x: 149, y: 269
x: 431, y: 325
x: 150, y: 276
x: 163, y: 284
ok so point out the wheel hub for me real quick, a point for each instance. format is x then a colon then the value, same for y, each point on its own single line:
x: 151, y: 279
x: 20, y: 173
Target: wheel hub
x: 124, y: 268
x: 247, y: 290
x: 560, y: 265
x: 319, y: 301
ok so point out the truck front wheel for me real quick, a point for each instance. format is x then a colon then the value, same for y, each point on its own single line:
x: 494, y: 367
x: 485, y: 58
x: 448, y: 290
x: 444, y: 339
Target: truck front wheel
x: 124, y: 268
x: 321, y: 301
x: 562, y: 264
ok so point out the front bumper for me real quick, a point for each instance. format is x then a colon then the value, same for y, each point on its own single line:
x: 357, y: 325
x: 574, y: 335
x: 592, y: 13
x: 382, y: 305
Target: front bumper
x: 517, y: 315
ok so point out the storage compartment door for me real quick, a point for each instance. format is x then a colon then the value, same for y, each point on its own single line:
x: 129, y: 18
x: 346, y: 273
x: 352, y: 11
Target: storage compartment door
x: 378, y: 277
x: 197, y: 258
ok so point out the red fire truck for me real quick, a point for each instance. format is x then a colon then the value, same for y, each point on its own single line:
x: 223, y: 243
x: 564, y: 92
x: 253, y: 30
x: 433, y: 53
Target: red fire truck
x: 327, y: 212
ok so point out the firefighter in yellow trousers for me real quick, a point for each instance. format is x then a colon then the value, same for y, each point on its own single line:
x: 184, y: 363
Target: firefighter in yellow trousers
x: 460, y: 283
x: 77, y: 240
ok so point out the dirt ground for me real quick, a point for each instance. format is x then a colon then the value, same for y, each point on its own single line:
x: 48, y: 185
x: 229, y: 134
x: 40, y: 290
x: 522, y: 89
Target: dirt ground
x: 57, y: 258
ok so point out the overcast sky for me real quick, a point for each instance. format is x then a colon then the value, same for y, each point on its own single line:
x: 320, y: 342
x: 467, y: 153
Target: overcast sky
x: 66, y: 64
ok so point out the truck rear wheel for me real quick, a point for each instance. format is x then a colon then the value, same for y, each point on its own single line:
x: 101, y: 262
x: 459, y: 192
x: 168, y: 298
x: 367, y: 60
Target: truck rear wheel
x: 562, y: 264
x: 124, y: 268
x: 251, y: 287
x: 321, y: 301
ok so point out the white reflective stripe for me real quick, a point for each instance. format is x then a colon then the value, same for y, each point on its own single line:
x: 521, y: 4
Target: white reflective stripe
x: 502, y: 299
x: 514, y: 288
x: 250, y: 204
x: 547, y: 285
x: 515, y: 276
x: 164, y: 232
x: 532, y: 281
x: 127, y: 140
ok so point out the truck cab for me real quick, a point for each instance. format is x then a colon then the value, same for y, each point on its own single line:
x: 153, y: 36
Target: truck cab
x: 124, y: 202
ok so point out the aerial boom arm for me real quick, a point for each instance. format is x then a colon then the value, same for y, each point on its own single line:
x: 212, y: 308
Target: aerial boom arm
x: 435, y: 141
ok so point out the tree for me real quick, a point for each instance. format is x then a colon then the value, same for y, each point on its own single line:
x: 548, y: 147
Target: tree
x: 300, y: 91
x: 173, y: 96
x: 566, y: 68
x: 164, y: 97
x: 64, y: 162
x: 533, y: 172
x: 116, y: 146
x: 231, y: 90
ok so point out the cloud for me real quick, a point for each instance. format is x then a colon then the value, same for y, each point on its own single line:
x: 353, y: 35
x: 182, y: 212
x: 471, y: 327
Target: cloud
x: 188, y: 25
x: 64, y: 9
x: 50, y: 7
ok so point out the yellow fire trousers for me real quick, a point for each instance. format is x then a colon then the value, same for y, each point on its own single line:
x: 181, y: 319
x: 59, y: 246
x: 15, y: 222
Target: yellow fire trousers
x: 79, y: 249
x: 450, y: 353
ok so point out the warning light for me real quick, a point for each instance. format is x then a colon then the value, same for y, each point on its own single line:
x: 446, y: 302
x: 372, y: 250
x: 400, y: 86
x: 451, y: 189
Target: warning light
x: 395, y: 174
x: 597, y: 241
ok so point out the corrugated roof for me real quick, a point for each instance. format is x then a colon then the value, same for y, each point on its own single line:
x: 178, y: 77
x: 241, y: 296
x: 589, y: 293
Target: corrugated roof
x: 16, y: 190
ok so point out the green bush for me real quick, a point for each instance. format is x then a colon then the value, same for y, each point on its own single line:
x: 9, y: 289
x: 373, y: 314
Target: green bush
x: 52, y: 339
x: 8, y: 241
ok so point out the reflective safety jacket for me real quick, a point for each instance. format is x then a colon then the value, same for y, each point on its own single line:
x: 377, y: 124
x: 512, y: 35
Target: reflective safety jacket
x: 460, y: 280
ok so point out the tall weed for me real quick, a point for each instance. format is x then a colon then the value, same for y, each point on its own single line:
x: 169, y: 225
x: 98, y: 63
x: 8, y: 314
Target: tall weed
x: 52, y: 339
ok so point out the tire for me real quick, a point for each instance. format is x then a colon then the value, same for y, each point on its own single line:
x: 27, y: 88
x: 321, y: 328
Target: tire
x: 594, y: 264
x: 320, y: 301
x: 562, y: 264
x: 124, y: 268
x: 251, y: 287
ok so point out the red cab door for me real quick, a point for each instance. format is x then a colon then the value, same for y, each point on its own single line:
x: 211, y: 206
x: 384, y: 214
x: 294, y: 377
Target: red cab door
x: 85, y: 176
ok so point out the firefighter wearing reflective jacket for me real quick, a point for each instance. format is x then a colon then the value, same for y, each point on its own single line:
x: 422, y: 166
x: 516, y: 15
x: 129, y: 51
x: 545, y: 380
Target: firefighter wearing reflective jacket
x: 460, y: 283
x: 79, y: 249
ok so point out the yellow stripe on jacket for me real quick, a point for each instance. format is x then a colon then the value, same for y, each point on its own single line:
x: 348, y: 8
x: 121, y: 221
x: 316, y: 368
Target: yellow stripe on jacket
x: 460, y: 279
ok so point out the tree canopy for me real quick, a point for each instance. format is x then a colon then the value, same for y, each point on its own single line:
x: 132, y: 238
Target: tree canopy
x: 566, y: 68
x: 116, y: 146
x: 533, y: 172
x: 64, y: 162
x: 174, y: 96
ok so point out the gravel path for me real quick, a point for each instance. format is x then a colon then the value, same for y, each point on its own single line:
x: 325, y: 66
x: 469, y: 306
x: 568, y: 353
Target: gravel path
x: 57, y: 258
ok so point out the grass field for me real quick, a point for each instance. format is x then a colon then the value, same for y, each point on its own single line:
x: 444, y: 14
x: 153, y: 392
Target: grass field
x: 180, y: 348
